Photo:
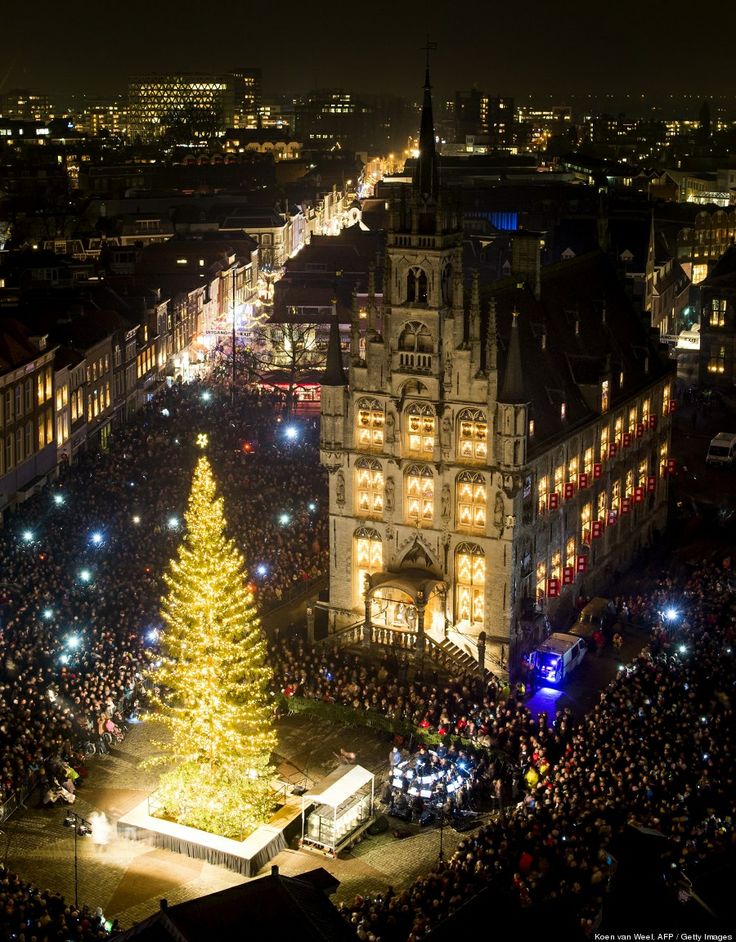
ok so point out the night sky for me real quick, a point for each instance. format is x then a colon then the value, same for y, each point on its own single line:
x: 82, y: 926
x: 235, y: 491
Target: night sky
x: 535, y: 47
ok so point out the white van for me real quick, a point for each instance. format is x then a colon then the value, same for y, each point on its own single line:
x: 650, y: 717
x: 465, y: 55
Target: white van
x: 558, y: 657
x: 722, y: 449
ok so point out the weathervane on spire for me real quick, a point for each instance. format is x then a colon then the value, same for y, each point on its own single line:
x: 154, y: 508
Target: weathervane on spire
x: 430, y: 47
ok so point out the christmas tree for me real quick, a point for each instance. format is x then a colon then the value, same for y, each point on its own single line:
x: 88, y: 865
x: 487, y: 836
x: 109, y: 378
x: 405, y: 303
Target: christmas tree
x: 213, y: 680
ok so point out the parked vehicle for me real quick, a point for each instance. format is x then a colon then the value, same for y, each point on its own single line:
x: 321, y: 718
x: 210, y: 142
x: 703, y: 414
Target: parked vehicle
x: 557, y: 657
x: 722, y: 449
x: 599, y: 613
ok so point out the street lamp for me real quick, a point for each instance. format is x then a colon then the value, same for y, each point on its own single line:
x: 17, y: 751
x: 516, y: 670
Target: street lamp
x: 82, y: 827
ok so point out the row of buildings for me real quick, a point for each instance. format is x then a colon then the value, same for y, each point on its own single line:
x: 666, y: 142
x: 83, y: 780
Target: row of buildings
x: 80, y: 354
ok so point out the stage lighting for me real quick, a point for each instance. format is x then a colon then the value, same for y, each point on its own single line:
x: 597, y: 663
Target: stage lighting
x: 58, y: 499
x: 28, y: 536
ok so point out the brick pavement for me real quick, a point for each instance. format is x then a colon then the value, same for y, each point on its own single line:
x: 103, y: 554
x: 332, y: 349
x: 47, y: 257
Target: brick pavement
x: 127, y: 879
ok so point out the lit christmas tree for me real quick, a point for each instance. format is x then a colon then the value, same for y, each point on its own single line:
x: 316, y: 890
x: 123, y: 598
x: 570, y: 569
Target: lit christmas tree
x: 213, y: 680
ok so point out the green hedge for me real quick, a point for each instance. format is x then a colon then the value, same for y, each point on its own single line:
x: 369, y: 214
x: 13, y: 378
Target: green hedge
x: 347, y: 716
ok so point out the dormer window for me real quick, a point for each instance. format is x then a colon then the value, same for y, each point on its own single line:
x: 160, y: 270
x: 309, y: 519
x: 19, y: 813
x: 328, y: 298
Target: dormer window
x: 604, y: 395
x: 563, y: 412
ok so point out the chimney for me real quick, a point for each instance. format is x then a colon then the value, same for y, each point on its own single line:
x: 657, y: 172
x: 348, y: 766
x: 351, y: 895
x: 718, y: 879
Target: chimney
x: 274, y: 870
x: 526, y: 259
x: 163, y: 905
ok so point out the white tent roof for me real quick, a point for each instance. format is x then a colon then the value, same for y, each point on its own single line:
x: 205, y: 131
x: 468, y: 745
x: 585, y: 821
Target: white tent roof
x: 339, y: 785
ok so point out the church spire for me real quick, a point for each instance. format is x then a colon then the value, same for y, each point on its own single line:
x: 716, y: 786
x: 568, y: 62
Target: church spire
x: 426, y: 173
x: 334, y: 374
x: 513, y: 378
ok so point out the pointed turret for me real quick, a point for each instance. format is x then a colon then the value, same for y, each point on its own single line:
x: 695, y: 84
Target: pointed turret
x: 334, y: 374
x: 512, y: 390
x: 426, y: 172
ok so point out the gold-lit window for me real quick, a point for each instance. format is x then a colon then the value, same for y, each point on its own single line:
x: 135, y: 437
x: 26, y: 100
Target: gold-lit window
x: 471, y: 502
x: 555, y: 571
x: 40, y: 388
x: 662, y: 458
x: 368, y: 555
x: 718, y: 312
x: 470, y: 583
x: 630, y: 483
x: 541, y: 579
x: 420, y: 430
x: 585, y: 515
x: 642, y: 475
x: 618, y: 429
x: 419, y: 483
x: 604, y: 395
x: 368, y: 488
x: 370, y: 423
x: 615, y: 495
x: 572, y: 470
x: 542, y: 494
x: 604, y: 443
x: 588, y: 461
x: 570, y: 550
x: 717, y: 361
x: 666, y: 399
x: 559, y: 478
x: 602, y: 506
x: 41, y: 432
x: 49, y: 382
x: 645, y: 407
x: 472, y: 440
x: 632, y: 421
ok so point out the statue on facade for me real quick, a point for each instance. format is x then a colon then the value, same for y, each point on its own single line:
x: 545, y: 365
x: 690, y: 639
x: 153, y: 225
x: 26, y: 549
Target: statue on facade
x: 499, y: 516
x: 340, y: 489
x: 445, y: 502
x: 389, y: 495
x: 390, y: 424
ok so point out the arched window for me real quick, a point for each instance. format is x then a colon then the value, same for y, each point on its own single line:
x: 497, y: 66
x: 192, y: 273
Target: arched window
x: 416, y: 338
x: 416, y: 286
x: 370, y: 421
x: 367, y: 558
x: 420, y: 429
x: 470, y: 583
x: 419, y: 490
x: 470, y: 490
x: 472, y: 437
x: 416, y: 347
x: 368, y: 488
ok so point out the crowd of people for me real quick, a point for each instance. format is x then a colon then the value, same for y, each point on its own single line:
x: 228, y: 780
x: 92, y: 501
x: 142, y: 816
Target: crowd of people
x: 79, y: 604
x: 31, y: 915
x: 655, y: 753
x: 83, y: 561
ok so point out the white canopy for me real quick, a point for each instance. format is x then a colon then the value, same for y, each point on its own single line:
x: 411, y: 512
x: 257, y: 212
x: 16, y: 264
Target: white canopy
x: 339, y: 785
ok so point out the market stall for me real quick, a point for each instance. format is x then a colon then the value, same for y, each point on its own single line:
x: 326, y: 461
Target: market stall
x: 342, y: 809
